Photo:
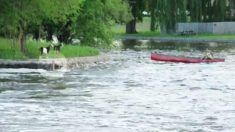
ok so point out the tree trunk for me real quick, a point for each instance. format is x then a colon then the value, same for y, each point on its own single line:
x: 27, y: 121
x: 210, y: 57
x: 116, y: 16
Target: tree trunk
x: 36, y: 34
x: 153, y: 16
x: 163, y: 28
x: 131, y: 27
x: 153, y: 25
x: 49, y: 33
x: 22, y: 38
x: 64, y: 35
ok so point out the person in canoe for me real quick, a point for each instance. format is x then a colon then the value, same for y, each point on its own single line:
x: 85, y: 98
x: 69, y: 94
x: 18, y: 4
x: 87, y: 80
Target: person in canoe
x: 207, y: 56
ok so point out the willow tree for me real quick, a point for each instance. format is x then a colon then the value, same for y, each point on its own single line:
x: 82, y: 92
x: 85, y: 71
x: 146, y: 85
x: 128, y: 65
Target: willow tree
x: 207, y: 10
x: 153, y: 11
x: 230, y: 11
x: 220, y: 8
x: 195, y: 10
x: 182, y: 11
x: 169, y: 13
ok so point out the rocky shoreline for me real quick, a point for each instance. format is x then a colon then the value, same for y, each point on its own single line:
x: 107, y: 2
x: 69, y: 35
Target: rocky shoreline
x: 53, y: 64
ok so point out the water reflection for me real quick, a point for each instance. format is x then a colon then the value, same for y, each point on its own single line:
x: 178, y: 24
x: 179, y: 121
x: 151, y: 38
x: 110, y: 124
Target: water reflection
x: 151, y: 44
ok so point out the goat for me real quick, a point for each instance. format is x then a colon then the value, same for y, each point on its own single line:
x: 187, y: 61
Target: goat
x: 44, y: 50
x: 57, y: 48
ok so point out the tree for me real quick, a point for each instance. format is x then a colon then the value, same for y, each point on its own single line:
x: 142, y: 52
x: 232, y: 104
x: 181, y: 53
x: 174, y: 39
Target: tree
x: 96, y: 19
x: 60, y: 17
x: 230, y: 11
x: 195, y: 9
x: 153, y: 7
x: 21, y: 17
x: 169, y: 12
x: 220, y: 9
x: 17, y: 16
x: 207, y: 10
x: 137, y: 7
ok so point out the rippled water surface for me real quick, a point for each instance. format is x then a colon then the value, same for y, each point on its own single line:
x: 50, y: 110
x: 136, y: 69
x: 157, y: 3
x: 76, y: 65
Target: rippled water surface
x: 129, y: 93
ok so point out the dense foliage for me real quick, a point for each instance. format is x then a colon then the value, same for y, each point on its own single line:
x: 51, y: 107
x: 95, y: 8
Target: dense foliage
x: 96, y: 19
x: 84, y: 19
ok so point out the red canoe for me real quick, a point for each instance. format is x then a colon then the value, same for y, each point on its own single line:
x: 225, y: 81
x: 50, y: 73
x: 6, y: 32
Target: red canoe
x: 169, y: 58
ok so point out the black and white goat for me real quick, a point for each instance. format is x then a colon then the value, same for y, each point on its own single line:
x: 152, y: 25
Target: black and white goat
x: 45, y: 50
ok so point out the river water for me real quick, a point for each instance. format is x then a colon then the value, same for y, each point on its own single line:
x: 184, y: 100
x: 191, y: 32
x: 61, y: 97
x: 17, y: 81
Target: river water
x: 129, y: 93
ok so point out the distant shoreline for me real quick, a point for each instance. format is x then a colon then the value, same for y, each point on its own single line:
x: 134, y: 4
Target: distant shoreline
x: 175, y: 39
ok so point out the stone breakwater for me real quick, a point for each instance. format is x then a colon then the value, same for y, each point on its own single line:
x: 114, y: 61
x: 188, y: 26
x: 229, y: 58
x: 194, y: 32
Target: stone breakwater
x: 52, y: 64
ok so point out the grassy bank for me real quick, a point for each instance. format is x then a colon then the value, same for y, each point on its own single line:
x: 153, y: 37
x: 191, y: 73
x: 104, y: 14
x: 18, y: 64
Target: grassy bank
x: 197, y: 36
x: 10, y: 50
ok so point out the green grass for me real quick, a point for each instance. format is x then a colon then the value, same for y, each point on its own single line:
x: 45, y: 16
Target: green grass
x: 67, y: 51
x: 33, y: 48
x: 5, y: 44
x: 8, y: 50
x: 141, y: 27
x: 11, y: 54
x: 198, y: 36
x: 145, y: 34
x: 215, y: 36
x: 78, y: 51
